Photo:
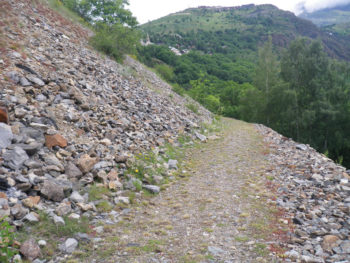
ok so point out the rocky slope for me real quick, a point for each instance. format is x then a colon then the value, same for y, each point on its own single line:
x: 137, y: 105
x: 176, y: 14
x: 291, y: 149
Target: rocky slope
x: 314, y: 193
x: 70, y: 115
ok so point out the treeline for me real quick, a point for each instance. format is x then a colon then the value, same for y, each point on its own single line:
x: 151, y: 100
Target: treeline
x: 304, y: 94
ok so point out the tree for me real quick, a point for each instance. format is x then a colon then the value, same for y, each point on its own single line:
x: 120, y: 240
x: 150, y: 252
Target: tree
x: 108, y: 12
x: 266, y: 77
x: 305, y: 67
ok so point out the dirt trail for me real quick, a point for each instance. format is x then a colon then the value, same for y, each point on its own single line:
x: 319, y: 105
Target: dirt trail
x: 218, y: 214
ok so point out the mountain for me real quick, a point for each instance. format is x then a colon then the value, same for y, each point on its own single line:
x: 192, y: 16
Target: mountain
x: 239, y: 31
x: 329, y: 16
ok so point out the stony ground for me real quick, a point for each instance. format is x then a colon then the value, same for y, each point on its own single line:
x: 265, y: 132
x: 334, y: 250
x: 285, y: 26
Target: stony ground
x: 217, y: 213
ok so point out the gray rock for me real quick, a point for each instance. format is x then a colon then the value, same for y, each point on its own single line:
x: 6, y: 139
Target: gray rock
x: 18, y: 211
x: 201, y: 137
x: 31, y: 217
x: 31, y: 148
x: 76, y: 197
x: 36, y: 80
x: 172, y: 164
x: 53, y: 191
x: 63, y: 208
x: 58, y: 220
x: 345, y: 246
x: 6, y: 135
x: 122, y: 199
x: 41, y: 97
x: 215, y: 251
x: 292, y: 254
x: 69, y: 246
x: 302, y: 147
x: 14, y: 76
x: 152, y: 188
x: 15, y: 158
x: 24, y: 82
x: 72, y: 171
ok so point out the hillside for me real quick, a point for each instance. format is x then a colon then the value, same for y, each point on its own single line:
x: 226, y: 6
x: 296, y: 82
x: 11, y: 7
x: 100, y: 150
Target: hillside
x: 335, y: 21
x: 238, y: 31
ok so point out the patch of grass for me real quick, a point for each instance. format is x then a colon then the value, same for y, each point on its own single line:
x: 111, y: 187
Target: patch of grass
x: 97, y: 192
x: 46, y: 229
x: 153, y: 246
x: 138, y: 185
x: 260, y: 249
x: 65, y: 12
x: 7, y: 236
x: 208, y: 230
x: 241, y: 239
x: 269, y: 177
x: 105, y: 252
x: 104, y: 206
x: 193, y: 107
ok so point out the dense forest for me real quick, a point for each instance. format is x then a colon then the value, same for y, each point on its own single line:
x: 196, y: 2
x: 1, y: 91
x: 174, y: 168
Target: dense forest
x: 239, y: 62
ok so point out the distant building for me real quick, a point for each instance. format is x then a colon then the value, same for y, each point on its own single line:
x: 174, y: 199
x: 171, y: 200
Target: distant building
x: 147, y: 42
x: 175, y: 51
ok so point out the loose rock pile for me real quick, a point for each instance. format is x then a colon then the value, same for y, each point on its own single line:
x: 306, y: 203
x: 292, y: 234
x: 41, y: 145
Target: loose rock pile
x: 315, y: 193
x: 68, y: 116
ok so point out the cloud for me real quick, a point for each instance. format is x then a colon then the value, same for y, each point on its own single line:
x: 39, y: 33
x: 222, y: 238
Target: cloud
x: 314, y: 5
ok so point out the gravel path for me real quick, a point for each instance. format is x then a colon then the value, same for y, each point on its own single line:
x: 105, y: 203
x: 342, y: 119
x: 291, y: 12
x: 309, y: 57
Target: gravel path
x: 217, y: 214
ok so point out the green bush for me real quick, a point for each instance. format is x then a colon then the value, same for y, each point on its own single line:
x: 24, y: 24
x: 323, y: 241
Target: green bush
x: 115, y: 40
x: 192, y: 107
x: 6, y: 241
x: 165, y: 71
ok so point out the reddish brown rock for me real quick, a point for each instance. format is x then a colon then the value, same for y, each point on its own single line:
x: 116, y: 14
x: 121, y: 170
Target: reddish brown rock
x: 55, y: 140
x: 329, y: 242
x: 30, y: 249
x: 4, y: 115
x: 31, y: 201
x: 86, y: 163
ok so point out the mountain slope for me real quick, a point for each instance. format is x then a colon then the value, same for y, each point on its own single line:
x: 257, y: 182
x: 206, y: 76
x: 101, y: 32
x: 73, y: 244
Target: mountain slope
x: 238, y: 30
x: 329, y: 16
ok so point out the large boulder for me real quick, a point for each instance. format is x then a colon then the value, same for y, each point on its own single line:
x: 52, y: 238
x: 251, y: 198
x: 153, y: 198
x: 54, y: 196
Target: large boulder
x: 53, y: 191
x: 6, y: 135
x: 30, y: 249
x: 15, y: 158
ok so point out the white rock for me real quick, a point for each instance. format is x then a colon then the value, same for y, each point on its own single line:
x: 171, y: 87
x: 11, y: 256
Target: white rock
x: 42, y: 243
x: 76, y: 197
x: 58, y: 220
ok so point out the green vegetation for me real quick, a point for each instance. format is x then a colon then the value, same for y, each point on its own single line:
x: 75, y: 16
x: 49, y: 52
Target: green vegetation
x: 52, y: 233
x: 114, y: 25
x: 299, y: 91
x: 7, y: 251
x: 97, y: 192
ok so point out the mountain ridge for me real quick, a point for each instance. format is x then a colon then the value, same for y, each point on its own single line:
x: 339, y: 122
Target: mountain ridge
x: 243, y: 23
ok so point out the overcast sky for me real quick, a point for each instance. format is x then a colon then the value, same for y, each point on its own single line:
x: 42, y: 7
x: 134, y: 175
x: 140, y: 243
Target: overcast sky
x: 147, y: 10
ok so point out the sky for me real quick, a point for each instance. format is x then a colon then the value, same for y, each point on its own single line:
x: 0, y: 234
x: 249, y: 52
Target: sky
x: 147, y: 10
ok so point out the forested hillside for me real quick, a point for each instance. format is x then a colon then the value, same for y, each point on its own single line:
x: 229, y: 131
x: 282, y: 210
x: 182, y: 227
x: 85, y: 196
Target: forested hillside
x: 259, y: 64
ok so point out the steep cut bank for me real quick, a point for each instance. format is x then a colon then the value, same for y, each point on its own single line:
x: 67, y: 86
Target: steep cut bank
x: 70, y: 117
